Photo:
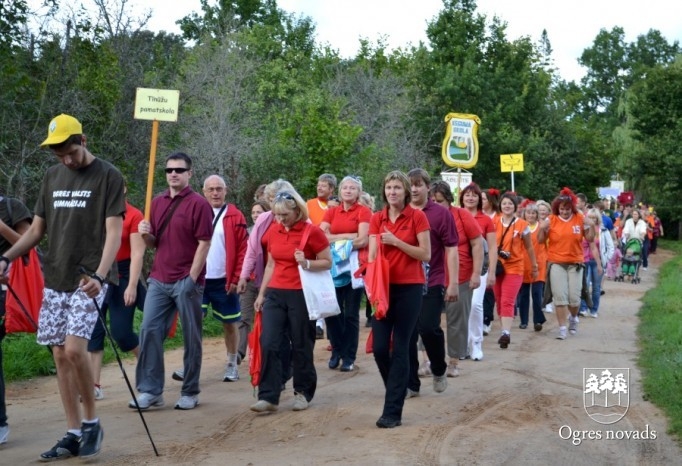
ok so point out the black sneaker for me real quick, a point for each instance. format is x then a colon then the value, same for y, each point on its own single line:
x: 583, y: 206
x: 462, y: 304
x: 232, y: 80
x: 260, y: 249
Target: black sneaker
x: 91, y: 440
x: 65, y: 448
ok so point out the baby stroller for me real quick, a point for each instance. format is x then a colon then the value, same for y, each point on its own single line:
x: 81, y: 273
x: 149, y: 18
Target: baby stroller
x: 631, y: 261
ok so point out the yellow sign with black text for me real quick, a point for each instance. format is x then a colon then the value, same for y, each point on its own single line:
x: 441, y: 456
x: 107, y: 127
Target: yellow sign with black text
x: 511, y: 163
x: 156, y: 104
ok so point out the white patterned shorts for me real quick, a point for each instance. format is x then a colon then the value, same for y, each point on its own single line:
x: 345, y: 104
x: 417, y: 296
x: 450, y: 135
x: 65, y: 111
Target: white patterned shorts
x: 65, y: 313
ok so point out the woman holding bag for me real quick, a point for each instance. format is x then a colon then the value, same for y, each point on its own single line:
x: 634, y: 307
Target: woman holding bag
x: 404, y: 235
x: 349, y: 221
x: 281, y: 299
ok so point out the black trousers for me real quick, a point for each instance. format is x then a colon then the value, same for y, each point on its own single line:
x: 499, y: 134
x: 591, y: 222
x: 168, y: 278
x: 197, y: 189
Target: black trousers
x: 398, y: 326
x: 285, y: 316
x: 433, y: 338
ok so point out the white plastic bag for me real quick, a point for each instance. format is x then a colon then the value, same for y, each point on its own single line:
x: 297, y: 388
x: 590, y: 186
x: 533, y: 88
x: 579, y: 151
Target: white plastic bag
x: 319, y: 293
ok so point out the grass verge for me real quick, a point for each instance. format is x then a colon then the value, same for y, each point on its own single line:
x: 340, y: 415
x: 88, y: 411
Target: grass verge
x: 23, y: 358
x: 660, y: 337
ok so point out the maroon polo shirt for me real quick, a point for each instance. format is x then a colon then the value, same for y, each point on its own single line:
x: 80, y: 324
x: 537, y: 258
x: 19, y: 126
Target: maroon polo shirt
x: 443, y: 235
x: 191, y: 222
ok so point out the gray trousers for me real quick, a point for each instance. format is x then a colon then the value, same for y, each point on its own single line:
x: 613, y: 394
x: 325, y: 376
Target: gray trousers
x: 457, y: 318
x: 245, y: 325
x: 159, y: 310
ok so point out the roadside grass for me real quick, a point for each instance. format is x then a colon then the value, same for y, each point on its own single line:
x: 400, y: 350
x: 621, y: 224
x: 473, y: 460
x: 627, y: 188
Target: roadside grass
x: 660, y: 339
x: 23, y: 358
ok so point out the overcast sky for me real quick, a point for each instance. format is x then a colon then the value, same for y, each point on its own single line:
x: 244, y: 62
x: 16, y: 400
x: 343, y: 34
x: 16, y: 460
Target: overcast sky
x: 571, y: 25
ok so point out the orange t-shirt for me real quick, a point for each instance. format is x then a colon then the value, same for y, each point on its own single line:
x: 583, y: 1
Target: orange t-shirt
x: 513, y: 243
x: 564, y: 243
x: 316, y: 210
x: 540, y: 256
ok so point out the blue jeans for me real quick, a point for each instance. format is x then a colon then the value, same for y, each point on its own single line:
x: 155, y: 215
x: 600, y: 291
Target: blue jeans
x: 594, y: 282
x: 535, y: 291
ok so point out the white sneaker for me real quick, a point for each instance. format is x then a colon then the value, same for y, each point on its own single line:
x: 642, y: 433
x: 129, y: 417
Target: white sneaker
x: 486, y: 329
x: 99, y: 393
x: 424, y: 369
x: 440, y: 383
x: 573, y: 325
x: 231, y: 373
x: 4, y: 434
x: 411, y: 394
x: 476, y: 351
x: 300, y: 403
x: 452, y: 370
x: 187, y: 402
x: 562, y: 333
x: 146, y: 401
x: 549, y: 308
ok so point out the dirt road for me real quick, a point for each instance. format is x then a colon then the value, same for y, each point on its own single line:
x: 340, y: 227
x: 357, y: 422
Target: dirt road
x: 523, y: 405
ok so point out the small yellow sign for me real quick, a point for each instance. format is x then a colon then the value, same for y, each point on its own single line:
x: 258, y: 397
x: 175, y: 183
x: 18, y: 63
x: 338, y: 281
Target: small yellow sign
x: 156, y: 104
x: 511, y: 163
x: 460, y: 146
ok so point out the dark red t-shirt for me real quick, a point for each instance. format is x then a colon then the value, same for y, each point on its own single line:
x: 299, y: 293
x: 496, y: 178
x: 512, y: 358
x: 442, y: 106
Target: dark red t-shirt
x: 443, y: 235
x: 404, y: 269
x: 191, y: 222
x: 282, y: 245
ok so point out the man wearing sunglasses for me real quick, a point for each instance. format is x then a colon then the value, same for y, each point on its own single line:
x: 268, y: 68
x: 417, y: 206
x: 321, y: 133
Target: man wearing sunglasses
x: 180, y: 229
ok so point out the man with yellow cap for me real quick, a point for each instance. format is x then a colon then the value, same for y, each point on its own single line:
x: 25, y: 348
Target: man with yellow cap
x: 80, y: 207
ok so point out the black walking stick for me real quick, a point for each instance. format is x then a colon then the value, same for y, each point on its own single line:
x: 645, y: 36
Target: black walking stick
x: 87, y: 277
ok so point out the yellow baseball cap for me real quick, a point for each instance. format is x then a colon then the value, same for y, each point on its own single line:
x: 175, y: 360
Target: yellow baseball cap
x: 61, y: 127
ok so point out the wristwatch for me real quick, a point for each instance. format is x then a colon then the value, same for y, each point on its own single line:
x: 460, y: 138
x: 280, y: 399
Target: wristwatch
x: 99, y: 278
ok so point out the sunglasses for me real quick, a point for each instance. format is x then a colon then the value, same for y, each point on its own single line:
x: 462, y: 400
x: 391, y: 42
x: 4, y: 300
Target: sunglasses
x: 176, y: 170
x: 284, y: 195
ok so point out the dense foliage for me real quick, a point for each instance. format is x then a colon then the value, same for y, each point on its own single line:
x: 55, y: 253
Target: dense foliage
x: 260, y: 99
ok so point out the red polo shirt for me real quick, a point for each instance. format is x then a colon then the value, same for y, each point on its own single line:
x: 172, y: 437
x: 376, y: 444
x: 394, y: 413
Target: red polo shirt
x: 132, y: 219
x: 282, y: 245
x: 404, y: 269
x: 346, y: 221
x: 467, y: 229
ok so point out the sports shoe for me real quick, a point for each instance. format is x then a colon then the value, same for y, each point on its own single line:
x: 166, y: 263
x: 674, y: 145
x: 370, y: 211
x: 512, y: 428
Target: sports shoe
x: 178, y: 375
x: 476, y: 351
x: 91, y: 439
x: 262, y: 406
x: 573, y: 325
x: 99, y: 393
x: 347, y: 367
x: 300, y: 403
x: 231, y: 373
x: 334, y: 361
x: 424, y: 369
x: 187, y: 402
x: 562, y: 333
x: 146, y: 401
x: 4, y: 433
x: 388, y: 423
x: 549, y: 308
x: 537, y: 327
x: 411, y: 393
x: 594, y: 315
x: 452, y: 370
x: 504, y: 340
x: 486, y: 329
x: 440, y: 383
x: 582, y: 313
x: 319, y: 333
x: 67, y: 447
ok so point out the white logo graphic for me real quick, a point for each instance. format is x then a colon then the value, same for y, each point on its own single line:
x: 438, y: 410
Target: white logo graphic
x: 606, y: 396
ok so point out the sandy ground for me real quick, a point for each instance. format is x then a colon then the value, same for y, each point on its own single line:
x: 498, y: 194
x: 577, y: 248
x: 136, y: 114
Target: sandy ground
x: 513, y: 407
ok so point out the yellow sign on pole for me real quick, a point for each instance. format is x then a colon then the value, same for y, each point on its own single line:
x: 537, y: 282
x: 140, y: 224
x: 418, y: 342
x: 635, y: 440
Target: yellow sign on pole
x: 511, y: 163
x: 156, y: 105
x: 460, y: 145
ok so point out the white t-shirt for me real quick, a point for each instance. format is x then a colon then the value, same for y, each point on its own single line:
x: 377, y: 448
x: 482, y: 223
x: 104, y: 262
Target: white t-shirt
x: 215, y: 262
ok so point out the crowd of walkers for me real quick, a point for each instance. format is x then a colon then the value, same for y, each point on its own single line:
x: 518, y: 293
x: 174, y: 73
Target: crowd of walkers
x: 464, y: 256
